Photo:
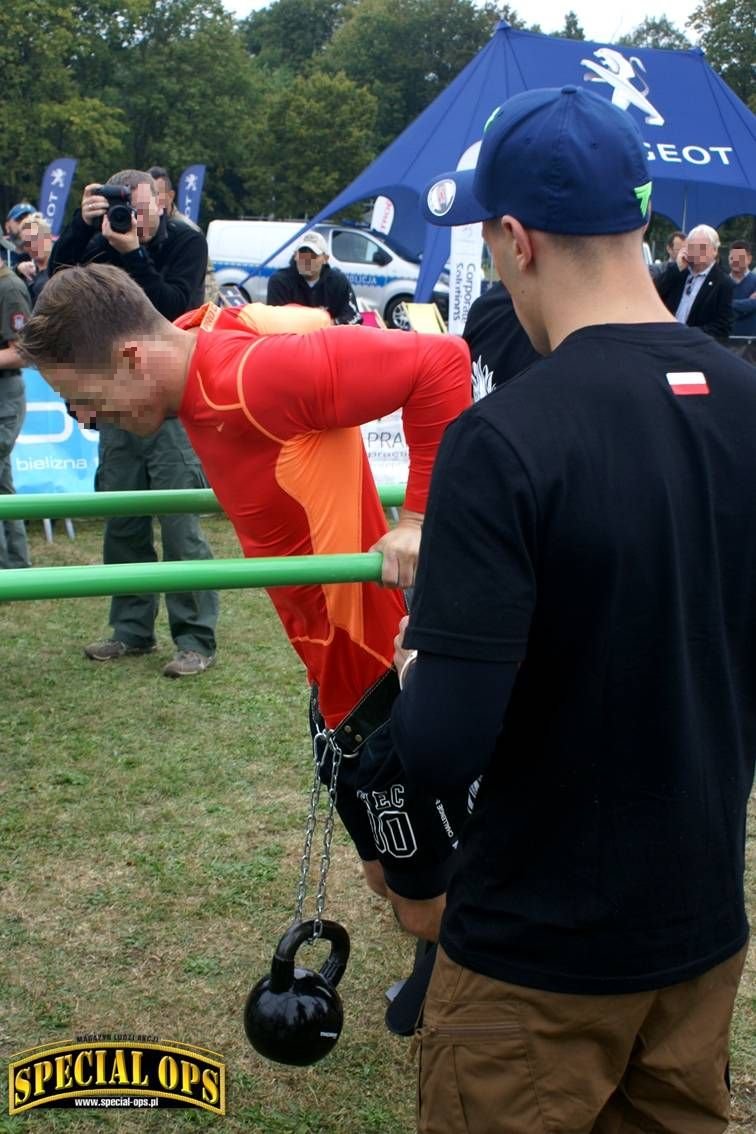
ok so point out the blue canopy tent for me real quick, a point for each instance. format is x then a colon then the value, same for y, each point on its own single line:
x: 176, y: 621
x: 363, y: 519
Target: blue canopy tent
x: 700, y: 138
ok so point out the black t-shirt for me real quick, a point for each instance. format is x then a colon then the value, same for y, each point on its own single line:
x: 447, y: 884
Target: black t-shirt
x: 593, y: 524
x: 499, y: 346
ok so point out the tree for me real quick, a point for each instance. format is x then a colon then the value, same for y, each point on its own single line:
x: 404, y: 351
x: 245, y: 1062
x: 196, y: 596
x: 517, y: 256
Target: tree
x: 313, y: 136
x: 727, y: 30
x: 659, y: 32
x: 496, y: 12
x: 407, y: 53
x: 43, y: 112
x: 124, y: 83
x: 571, y: 29
x: 184, y: 80
x: 289, y: 33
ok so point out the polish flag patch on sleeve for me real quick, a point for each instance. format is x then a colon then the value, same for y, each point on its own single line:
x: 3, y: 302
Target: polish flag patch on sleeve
x: 688, y: 382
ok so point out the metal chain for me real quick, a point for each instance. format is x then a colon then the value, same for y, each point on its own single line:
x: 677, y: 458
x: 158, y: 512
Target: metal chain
x: 325, y: 858
x: 304, y: 865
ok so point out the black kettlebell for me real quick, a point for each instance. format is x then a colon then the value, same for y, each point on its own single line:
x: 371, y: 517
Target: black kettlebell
x: 295, y: 1015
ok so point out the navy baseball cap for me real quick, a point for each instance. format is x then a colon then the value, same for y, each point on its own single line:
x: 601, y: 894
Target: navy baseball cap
x: 561, y: 160
x: 18, y: 212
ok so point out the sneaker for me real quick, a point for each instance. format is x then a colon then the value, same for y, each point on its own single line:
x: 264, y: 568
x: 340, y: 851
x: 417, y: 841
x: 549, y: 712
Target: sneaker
x: 187, y: 663
x: 111, y: 649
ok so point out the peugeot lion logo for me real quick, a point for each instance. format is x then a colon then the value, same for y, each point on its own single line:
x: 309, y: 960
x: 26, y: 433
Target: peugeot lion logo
x: 620, y: 74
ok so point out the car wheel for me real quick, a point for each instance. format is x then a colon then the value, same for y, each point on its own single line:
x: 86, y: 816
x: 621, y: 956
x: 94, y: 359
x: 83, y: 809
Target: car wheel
x: 395, y: 315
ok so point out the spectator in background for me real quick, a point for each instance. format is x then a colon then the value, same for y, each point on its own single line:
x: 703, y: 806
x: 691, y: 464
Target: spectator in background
x: 15, y: 309
x: 13, y: 229
x: 674, y: 245
x: 167, y: 194
x: 694, y: 287
x: 311, y: 281
x: 167, y: 201
x: 37, y: 242
x: 499, y: 346
x: 167, y: 259
x: 743, y: 296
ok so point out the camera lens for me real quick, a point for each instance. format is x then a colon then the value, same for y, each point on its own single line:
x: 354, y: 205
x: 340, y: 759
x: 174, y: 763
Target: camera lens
x: 120, y: 218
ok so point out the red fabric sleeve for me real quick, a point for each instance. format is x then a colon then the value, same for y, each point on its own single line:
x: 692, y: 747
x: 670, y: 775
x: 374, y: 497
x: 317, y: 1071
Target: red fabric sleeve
x: 347, y: 376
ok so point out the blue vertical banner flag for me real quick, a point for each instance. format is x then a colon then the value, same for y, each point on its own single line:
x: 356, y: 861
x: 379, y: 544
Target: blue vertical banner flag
x: 190, y: 191
x: 53, y: 193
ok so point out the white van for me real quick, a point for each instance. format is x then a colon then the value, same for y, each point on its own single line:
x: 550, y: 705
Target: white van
x: 379, y: 271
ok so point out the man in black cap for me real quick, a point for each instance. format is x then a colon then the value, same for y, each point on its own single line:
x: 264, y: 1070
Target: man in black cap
x: 585, y: 621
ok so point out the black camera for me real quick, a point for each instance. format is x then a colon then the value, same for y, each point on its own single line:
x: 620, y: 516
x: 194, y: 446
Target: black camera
x: 120, y: 210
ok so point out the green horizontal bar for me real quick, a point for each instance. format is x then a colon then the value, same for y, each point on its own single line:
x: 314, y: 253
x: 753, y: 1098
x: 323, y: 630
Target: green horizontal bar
x: 190, y: 575
x: 64, y: 505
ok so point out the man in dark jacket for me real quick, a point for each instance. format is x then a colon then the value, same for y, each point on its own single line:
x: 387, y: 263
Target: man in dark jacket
x: 694, y: 287
x: 167, y: 258
x: 311, y: 281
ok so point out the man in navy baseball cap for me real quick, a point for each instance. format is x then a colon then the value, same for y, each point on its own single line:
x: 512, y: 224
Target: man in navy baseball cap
x: 584, y: 621
x: 13, y: 226
x: 561, y: 160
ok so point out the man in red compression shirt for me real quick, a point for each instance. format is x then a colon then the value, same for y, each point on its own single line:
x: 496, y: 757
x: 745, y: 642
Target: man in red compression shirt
x: 274, y: 418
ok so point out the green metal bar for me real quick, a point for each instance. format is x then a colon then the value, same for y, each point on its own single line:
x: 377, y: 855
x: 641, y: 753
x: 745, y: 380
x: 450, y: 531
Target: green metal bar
x: 191, y: 575
x: 62, y: 505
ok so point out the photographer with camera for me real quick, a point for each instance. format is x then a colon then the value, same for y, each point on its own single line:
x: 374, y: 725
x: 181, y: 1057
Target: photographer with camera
x: 122, y: 223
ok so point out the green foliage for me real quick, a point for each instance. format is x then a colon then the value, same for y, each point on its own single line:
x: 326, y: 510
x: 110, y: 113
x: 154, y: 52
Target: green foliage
x: 571, y: 29
x: 727, y: 30
x: 657, y: 31
x: 314, y: 135
x: 43, y: 112
x: 407, y: 53
x: 290, y: 33
x: 284, y: 107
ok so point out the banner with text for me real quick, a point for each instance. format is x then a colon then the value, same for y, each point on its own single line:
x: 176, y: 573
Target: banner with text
x: 54, y: 190
x: 464, y: 260
x: 383, y: 215
x: 52, y: 453
x: 190, y: 191
x: 387, y: 449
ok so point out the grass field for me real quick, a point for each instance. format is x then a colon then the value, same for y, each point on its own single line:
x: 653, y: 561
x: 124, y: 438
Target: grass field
x: 151, y: 833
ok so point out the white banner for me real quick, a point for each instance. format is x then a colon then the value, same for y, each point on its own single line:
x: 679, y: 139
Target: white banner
x: 465, y: 274
x: 387, y: 449
x: 383, y: 215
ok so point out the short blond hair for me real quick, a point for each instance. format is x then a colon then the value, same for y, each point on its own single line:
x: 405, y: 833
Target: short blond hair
x: 36, y: 224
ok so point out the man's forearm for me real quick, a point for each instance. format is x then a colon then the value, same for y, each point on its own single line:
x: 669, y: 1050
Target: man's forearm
x: 447, y: 718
